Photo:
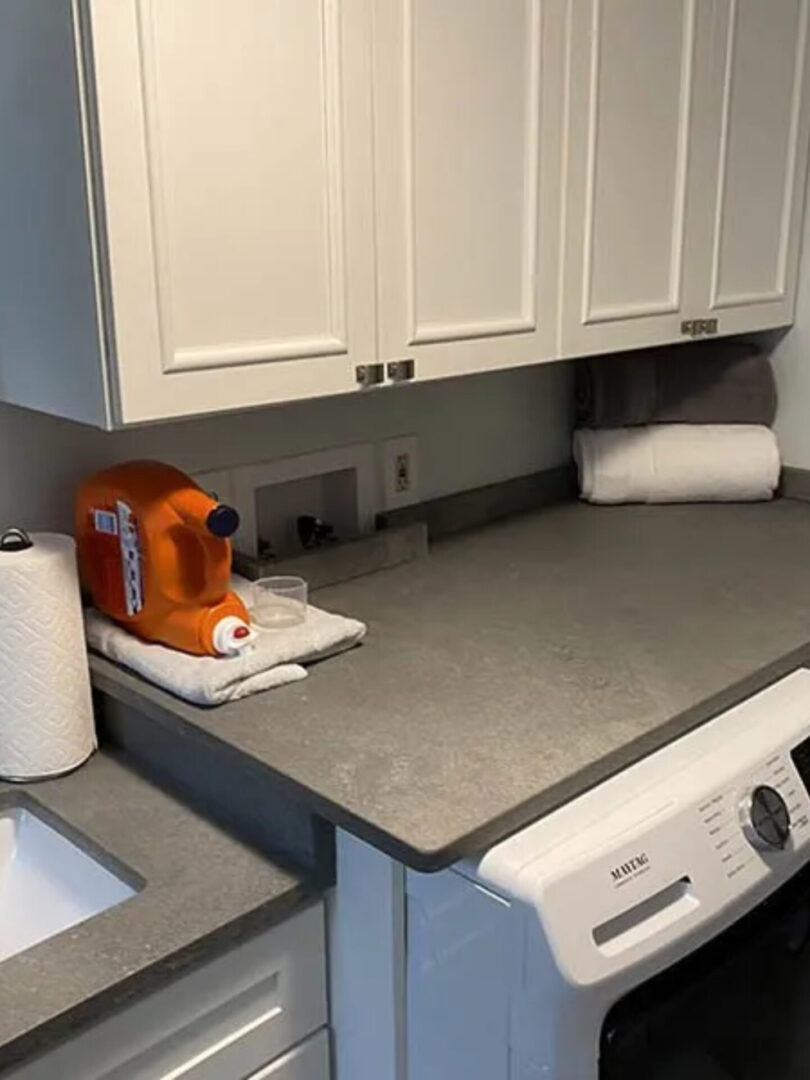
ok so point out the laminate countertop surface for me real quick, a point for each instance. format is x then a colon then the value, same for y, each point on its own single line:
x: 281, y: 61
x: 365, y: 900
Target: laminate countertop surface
x: 199, y: 891
x: 519, y: 664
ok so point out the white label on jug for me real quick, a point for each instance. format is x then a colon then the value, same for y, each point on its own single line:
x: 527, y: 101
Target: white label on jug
x: 105, y: 522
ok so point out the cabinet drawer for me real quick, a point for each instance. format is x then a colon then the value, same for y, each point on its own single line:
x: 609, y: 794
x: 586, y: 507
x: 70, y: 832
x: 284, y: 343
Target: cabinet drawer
x: 222, y: 1022
x: 309, y: 1061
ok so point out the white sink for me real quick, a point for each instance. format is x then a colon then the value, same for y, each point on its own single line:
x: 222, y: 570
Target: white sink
x: 47, y: 882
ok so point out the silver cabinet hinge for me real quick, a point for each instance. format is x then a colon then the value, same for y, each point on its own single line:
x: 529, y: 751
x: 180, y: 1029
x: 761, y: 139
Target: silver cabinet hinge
x: 401, y: 370
x: 698, y: 327
x: 369, y: 374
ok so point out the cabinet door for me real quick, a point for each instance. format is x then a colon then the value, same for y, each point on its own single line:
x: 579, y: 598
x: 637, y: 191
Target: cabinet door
x: 759, y: 161
x: 223, y: 1021
x: 468, y: 113
x: 235, y: 153
x: 636, y: 251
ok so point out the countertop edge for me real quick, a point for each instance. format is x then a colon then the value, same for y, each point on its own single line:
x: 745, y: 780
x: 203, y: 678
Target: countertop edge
x: 107, y: 678
x: 124, y: 685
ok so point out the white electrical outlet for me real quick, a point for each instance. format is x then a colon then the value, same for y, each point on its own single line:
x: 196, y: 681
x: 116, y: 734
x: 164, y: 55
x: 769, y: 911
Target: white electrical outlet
x: 400, y: 471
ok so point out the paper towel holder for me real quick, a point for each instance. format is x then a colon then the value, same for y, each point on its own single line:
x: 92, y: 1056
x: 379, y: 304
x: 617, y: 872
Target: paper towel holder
x: 15, y: 539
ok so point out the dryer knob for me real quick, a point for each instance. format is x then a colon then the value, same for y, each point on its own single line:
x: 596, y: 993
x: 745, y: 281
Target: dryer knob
x: 765, y: 818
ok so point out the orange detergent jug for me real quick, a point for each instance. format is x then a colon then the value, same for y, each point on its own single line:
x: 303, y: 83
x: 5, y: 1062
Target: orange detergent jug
x: 154, y: 554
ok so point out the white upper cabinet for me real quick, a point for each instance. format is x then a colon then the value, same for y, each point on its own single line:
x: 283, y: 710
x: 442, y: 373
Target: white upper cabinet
x: 685, y: 171
x: 759, y: 160
x: 235, y: 143
x: 468, y: 120
x: 634, y: 245
x: 219, y: 204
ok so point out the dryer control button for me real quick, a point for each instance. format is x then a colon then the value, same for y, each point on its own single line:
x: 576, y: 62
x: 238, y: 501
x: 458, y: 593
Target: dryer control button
x: 765, y: 818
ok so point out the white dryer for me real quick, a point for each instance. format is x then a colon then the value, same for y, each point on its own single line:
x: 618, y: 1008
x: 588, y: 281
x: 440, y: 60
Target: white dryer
x: 656, y: 928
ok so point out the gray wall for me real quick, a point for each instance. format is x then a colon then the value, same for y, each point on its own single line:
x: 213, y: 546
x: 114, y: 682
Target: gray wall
x: 472, y: 431
x: 791, y: 358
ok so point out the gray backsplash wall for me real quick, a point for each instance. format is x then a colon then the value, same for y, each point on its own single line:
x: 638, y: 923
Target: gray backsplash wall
x: 472, y: 431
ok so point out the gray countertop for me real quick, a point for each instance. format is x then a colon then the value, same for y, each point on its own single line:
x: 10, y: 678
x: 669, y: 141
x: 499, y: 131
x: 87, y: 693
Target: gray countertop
x: 202, y: 891
x: 519, y: 664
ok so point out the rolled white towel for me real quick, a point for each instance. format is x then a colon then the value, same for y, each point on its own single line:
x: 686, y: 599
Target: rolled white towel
x: 677, y: 463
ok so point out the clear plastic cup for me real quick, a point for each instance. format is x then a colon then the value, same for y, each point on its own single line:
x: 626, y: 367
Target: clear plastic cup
x: 279, y: 602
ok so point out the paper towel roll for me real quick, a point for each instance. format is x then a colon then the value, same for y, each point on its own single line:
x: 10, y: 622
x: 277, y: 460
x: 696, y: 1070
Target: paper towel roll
x: 46, y: 713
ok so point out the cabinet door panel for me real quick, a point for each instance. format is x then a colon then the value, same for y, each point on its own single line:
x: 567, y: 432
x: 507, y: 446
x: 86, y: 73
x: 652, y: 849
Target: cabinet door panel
x: 246, y: 178
x: 636, y: 79
x: 234, y: 144
x: 468, y: 113
x: 473, y: 166
x: 638, y: 146
x: 760, y: 161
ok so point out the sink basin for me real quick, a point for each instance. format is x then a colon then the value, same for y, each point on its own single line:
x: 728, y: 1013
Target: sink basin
x: 49, y: 881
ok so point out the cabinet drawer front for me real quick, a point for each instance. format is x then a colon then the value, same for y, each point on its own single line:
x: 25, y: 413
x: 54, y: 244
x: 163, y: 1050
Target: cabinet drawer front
x: 221, y: 1022
x: 310, y: 1061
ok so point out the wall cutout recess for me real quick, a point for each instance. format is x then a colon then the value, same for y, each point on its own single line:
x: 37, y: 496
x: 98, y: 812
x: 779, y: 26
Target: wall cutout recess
x: 313, y: 515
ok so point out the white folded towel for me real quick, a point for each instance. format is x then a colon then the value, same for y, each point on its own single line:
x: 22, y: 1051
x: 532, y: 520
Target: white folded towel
x: 677, y: 463
x: 276, y: 657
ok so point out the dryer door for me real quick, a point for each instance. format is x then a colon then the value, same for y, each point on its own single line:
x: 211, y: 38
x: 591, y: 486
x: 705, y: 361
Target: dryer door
x: 736, y: 1009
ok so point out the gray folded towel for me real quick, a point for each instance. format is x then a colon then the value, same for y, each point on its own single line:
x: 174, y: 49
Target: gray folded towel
x: 719, y: 382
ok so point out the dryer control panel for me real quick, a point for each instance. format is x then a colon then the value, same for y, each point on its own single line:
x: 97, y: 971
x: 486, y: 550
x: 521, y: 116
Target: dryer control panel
x: 767, y: 814
x: 662, y: 854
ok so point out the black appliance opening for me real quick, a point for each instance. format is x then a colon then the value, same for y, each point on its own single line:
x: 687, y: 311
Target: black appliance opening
x: 738, y: 1008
